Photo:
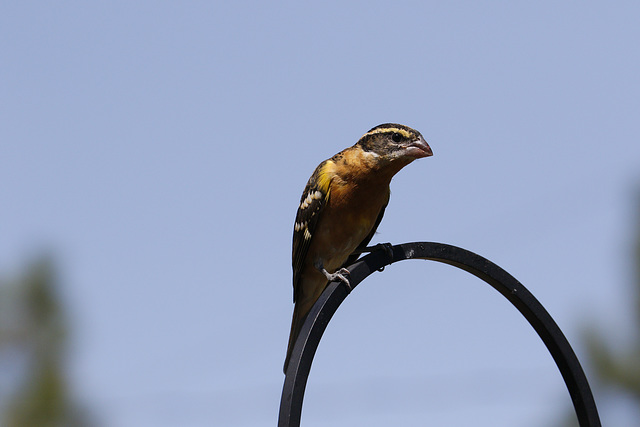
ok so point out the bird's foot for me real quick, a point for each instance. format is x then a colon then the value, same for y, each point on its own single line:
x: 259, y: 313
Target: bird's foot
x: 386, y: 247
x: 341, y: 275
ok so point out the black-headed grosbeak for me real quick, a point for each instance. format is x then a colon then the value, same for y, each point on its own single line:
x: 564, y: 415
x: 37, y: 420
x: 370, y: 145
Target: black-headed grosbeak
x: 341, y: 208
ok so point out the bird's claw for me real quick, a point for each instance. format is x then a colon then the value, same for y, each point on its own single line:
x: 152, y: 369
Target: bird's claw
x: 341, y: 275
x: 386, y: 247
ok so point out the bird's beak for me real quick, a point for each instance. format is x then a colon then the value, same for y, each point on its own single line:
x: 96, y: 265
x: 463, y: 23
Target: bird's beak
x: 419, y: 149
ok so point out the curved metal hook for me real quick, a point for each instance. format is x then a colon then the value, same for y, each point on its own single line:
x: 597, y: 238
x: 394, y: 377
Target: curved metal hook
x: 305, y: 347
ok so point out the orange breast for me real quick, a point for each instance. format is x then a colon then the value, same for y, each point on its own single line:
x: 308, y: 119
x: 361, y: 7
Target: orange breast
x: 347, y: 219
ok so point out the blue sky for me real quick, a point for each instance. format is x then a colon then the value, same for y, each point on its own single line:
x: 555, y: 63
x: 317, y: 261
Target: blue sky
x: 159, y: 150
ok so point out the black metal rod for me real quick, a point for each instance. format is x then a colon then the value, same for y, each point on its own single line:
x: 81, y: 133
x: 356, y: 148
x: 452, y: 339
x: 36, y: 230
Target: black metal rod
x: 305, y: 347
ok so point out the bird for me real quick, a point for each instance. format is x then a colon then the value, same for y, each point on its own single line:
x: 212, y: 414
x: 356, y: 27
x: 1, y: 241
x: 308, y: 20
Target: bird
x: 340, y: 209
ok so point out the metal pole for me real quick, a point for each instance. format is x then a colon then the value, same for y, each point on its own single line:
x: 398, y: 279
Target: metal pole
x: 305, y: 347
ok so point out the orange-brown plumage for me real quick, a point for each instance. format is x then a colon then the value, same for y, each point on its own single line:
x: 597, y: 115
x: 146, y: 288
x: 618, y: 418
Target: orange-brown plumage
x: 340, y: 209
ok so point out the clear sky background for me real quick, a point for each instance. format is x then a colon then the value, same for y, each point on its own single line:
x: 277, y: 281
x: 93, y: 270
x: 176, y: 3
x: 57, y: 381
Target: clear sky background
x: 159, y: 150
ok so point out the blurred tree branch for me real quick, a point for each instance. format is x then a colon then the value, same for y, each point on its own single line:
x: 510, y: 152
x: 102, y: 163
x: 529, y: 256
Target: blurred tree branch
x: 615, y: 369
x: 33, y: 336
x: 620, y: 369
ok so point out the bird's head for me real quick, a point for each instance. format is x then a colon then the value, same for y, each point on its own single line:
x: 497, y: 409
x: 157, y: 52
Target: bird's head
x: 391, y: 141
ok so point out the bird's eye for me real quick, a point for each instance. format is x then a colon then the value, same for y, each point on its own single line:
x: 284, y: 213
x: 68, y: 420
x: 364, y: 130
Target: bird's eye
x: 396, y: 137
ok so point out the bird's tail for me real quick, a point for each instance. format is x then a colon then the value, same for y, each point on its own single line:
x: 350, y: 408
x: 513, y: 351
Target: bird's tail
x: 309, y: 291
x: 296, y: 324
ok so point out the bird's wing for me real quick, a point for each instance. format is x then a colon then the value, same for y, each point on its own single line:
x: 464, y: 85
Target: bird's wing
x: 353, y: 257
x: 312, y: 202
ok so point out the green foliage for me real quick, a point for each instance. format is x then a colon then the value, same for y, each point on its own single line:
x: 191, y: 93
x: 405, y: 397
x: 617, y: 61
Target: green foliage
x: 614, y: 368
x: 33, y: 340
